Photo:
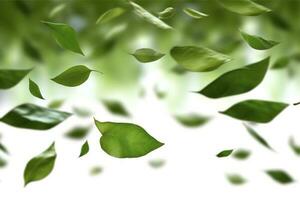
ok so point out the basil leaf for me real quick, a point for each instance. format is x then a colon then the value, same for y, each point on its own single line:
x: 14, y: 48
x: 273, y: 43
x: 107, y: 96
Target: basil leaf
x: 257, y: 137
x: 244, y: 7
x: 146, y: 55
x: 235, y: 179
x: 192, y: 120
x: 294, y: 146
x: 259, y: 111
x: 35, y: 90
x: 96, y: 170
x: 55, y: 104
x: 78, y: 132
x: 194, y: 13
x: 280, y: 176
x: 241, y: 154
x: 158, y: 163
x: 31, y: 116
x: 110, y: 14
x: 148, y: 17
x: 198, y: 59
x: 237, y: 81
x: 84, y: 149
x: 166, y: 13
x: 11, y: 77
x: 40, y: 166
x: 65, y: 36
x: 115, y: 107
x: 125, y: 140
x: 224, y: 153
x: 257, y: 42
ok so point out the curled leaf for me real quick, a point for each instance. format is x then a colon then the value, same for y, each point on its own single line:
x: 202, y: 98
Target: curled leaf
x: 146, y: 55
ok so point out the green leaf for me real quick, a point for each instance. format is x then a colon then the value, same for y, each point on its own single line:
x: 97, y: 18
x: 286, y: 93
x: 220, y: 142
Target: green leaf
x: 158, y: 163
x: 55, y: 104
x: 257, y: 137
x: 96, y: 170
x: 115, y: 107
x: 65, y: 36
x: 31, y: 116
x: 294, y: 146
x: 57, y: 9
x: 235, y: 179
x: 159, y: 92
x: 146, y: 55
x: 3, y: 162
x: 110, y: 14
x: 35, y: 90
x: 224, y: 153
x: 166, y: 13
x: 280, y: 176
x: 241, y: 154
x: 257, y: 42
x: 31, y: 50
x: 282, y: 62
x: 148, y: 17
x: 198, y: 59
x: 3, y: 148
x: 244, y: 7
x: 82, y: 112
x: 192, y: 120
x: 11, y: 77
x: 237, y: 81
x: 78, y: 132
x: 84, y: 149
x: 73, y: 76
x: 194, y: 13
x: 259, y: 111
x: 125, y: 140
x: 40, y: 166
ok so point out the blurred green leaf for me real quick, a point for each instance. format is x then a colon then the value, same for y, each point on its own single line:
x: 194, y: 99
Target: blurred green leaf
x: 115, y: 107
x: 192, y: 120
x: 257, y: 137
x: 146, y: 55
x: 194, y: 13
x: 280, y: 176
x: 235, y: 179
x: 166, y: 13
x: 110, y: 14
x: 78, y: 132
x: 55, y: 104
x: 158, y: 163
x: 294, y: 146
x: 257, y: 42
x: 241, y: 154
x: 11, y: 77
x: 82, y: 112
x: 224, y: 153
x: 96, y: 170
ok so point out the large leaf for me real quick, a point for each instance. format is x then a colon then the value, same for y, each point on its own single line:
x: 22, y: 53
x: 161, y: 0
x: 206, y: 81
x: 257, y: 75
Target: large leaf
x: 35, y: 90
x: 280, y: 176
x: 110, y: 14
x: 65, y: 36
x: 257, y: 42
x: 244, y: 7
x: 257, y: 137
x: 146, y: 55
x: 237, y: 81
x: 11, y: 77
x: 31, y: 116
x: 40, y: 166
x: 259, y: 111
x: 125, y: 140
x: 194, y: 13
x: 198, y: 59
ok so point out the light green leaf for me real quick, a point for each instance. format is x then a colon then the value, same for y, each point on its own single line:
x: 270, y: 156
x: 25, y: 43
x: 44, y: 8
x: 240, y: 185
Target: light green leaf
x: 31, y: 116
x: 192, y: 120
x: 257, y: 42
x: 40, y: 166
x: 194, y: 13
x: 84, y: 149
x: 96, y: 170
x: 82, y: 112
x: 146, y: 55
x: 241, y: 154
x: 280, y: 176
x: 237, y: 81
x: 110, y: 14
x: 3, y: 162
x: 78, y: 132
x: 224, y: 153
x: 257, y: 137
x: 65, y: 36
x: 11, y: 77
x: 35, y: 90
x: 158, y: 163
x: 294, y: 146
x: 31, y: 50
x: 259, y: 111
x: 125, y: 140
x: 115, y: 107
x: 166, y: 13
x: 57, y: 9
x: 198, y: 59
x: 55, y: 104
x: 235, y: 179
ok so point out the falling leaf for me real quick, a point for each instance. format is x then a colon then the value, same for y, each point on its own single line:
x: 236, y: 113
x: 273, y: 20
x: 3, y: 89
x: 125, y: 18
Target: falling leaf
x: 31, y: 50
x: 78, y: 132
x: 257, y: 137
x: 194, y: 13
x: 11, y: 77
x: 110, y: 14
x: 125, y: 140
x: 241, y: 154
x: 224, y: 153
x: 235, y: 179
x: 166, y: 13
x: 257, y: 42
x: 146, y: 55
x: 3, y: 148
x: 55, y: 104
x: 281, y: 63
x: 192, y: 120
x: 294, y: 146
x: 57, y: 9
x: 82, y: 112
x: 3, y: 162
x: 115, y: 107
x: 84, y: 149
x: 96, y: 170
x: 280, y: 176
x: 35, y: 90
x: 158, y: 163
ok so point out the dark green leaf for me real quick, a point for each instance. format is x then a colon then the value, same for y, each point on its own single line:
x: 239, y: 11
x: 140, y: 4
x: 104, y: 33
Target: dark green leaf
x: 192, y: 120
x: 35, y: 90
x: 3, y: 162
x: 224, y: 153
x: 31, y: 50
x: 11, y: 77
x: 241, y: 154
x: 280, y: 176
x: 257, y: 42
x: 3, y: 148
x: 257, y: 137
x: 294, y: 146
x: 84, y: 149
x: 281, y: 63
x: 78, y: 132
x: 166, y: 13
x: 55, y: 104
x: 158, y: 163
x: 235, y: 179
x: 115, y: 107
x: 146, y: 55
x: 110, y: 14
x: 125, y: 140
x: 194, y: 13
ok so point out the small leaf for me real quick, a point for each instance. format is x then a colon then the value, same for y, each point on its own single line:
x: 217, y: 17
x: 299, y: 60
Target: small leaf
x: 11, y: 77
x: 31, y: 116
x: 237, y: 81
x: 257, y: 137
x: 244, y: 7
x: 224, y: 153
x: 158, y: 163
x: 192, y: 120
x: 78, y: 132
x: 3, y: 148
x: 146, y: 55
x: 96, y: 170
x: 198, y: 59
x: 166, y: 13
x: 280, y: 176
x: 84, y: 149
x: 125, y: 140
x: 31, y: 50
x: 159, y: 92
x: 241, y: 154
x: 281, y: 63
x: 40, y: 166
x: 110, y: 14
x: 55, y: 104
x: 65, y: 36
x: 82, y: 112
x: 235, y: 179
x: 148, y: 17
x: 294, y: 146
x: 57, y: 9
x: 3, y: 162
x: 35, y: 90
x: 194, y: 13
x: 259, y: 111
x: 257, y: 42
x: 115, y: 107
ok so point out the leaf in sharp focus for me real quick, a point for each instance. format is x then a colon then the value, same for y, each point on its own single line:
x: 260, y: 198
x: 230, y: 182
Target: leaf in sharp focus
x: 244, y: 7
x: 125, y: 140
x: 257, y: 137
x: 241, y: 154
x: 259, y: 111
x: 40, y: 166
x: 158, y: 163
x: 194, y: 13
x: 294, y: 146
x: 198, y: 59
x: 96, y: 170
x: 166, y: 13
x: 3, y: 148
x: 11, y: 77
x: 31, y: 116
x: 237, y: 81
x: 73, y: 76
x: 115, y: 107
x: 280, y: 176
x: 235, y: 179
x: 35, y: 90
x: 31, y: 50
x: 145, y: 15
x: 110, y: 14
x: 84, y: 149
x: 192, y: 120
x: 65, y: 36
x: 78, y: 132
x: 257, y: 42
x: 82, y: 112
x: 146, y: 55
x: 224, y: 153
x: 55, y: 104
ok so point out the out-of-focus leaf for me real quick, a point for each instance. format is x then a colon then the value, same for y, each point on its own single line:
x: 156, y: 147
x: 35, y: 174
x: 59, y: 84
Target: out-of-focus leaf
x: 224, y: 153
x: 257, y: 42
x: 96, y: 170
x: 194, y: 13
x: 115, y: 107
x: 235, y: 179
x: 3, y: 148
x: 237, y: 81
x: 40, y: 166
x: 31, y: 116
x: 110, y: 14
x: 82, y: 112
x: 3, y: 162
x: 55, y: 104
x: 280, y: 176
x: 159, y: 92
x: 146, y: 55
x: 65, y: 36
x: 198, y: 59
x: 241, y: 154
x: 294, y: 146
x: 125, y: 140
x: 35, y: 90
x: 259, y: 111
x: 177, y: 69
x: 11, y: 77
x: 57, y: 9
x: 23, y: 6
x: 257, y: 137
x: 281, y: 63
x: 192, y: 120
x: 279, y: 21
x: 166, y: 13
x: 84, y: 149
x: 31, y: 50
x: 78, y: 132
x: 158, y: 163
